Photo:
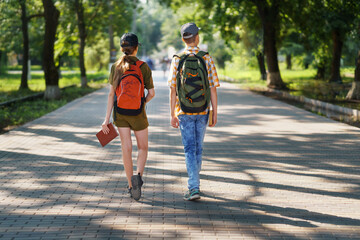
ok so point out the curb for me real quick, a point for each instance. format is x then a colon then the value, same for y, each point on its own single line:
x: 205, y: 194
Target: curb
x: 28, y: 98
x: 326, y: 108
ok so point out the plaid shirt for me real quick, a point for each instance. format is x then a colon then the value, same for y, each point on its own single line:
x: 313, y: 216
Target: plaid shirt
x: 212, y: 76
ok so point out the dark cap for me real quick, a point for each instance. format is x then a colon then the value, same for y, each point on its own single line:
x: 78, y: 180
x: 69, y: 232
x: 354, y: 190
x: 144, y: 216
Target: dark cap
x: 190, y: 28
x: 129, y: 40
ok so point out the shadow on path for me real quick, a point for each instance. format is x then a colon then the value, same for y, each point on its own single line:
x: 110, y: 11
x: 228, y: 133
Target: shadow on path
x: 270, y: 171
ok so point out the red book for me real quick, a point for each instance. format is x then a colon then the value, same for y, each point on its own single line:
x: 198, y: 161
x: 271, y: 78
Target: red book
x: 106, y: 138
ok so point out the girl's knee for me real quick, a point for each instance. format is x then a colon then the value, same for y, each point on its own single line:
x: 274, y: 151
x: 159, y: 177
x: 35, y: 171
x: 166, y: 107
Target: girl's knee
x: 126, y: 147
x: 143, y: 147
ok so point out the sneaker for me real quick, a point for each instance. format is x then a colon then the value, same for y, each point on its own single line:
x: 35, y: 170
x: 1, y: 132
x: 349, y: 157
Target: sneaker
x: 129, y: 191
x: 137, y: 183
x: 192, y: 195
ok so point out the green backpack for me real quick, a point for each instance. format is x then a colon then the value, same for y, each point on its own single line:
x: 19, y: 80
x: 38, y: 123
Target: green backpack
x: 192, y: 84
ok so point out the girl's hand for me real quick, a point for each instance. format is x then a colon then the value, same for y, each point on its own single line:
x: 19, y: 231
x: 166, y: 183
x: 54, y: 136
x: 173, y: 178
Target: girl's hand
x: 104, y: 127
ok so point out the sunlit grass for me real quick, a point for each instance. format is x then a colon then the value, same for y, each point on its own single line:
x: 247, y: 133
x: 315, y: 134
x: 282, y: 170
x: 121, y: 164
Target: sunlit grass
x: 301, y: 82
x: 10, y: 83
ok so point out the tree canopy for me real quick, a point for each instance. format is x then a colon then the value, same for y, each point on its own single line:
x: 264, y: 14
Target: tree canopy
x: 319, y: 33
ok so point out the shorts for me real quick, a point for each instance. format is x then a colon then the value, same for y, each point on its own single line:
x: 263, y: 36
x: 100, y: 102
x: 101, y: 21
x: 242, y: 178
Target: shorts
x: 135, y: 123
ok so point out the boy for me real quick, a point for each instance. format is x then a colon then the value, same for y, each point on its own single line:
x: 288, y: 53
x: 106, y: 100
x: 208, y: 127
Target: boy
x: 192, y: 125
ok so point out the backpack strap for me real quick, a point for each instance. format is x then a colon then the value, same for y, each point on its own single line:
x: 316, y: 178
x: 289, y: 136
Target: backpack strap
x: 200, y: 56
x: 182, y: 60
x: 201, y: 53
x: 139, y: 63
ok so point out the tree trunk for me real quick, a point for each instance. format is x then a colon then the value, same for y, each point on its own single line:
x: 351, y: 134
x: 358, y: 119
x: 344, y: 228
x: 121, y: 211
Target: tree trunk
x: 288, y: 62
x: 24, y: 28
x: 133, y: 24
x: 335, y: 63
x: 51, y: 73
x: 1, y: 62
x: 112, y: 45
x: 320, y: 74
x: 79, y: 7
x: 270, y: 20
x: 111, y: 38
x: 354, y: 92
x: 261, y: 62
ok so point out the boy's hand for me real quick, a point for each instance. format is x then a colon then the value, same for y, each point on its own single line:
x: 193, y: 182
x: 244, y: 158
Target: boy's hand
x: 214, y: 119
x: 174, y: 122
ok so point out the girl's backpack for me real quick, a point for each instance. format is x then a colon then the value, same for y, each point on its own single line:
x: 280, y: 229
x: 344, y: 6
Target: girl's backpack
x: 192, y: 84
x: 129, y: 95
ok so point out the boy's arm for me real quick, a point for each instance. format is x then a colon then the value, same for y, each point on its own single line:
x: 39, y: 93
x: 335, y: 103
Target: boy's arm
x: 174, y: 120
x: 214, y: 83
x: 213, y: 100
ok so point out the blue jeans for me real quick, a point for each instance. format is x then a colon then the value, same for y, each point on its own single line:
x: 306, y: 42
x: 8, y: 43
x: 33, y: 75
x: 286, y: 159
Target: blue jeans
x: 193, y: 129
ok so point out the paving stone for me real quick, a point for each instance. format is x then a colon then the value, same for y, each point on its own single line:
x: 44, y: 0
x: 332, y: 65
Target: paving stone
x: 270, y: 171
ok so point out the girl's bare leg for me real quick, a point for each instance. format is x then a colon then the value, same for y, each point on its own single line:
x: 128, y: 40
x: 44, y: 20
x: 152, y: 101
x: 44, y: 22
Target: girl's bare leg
x: 142, y: 144
x: 126, y: 146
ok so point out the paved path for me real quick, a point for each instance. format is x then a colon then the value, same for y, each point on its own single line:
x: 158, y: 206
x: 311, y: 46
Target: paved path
x: 271, y: 171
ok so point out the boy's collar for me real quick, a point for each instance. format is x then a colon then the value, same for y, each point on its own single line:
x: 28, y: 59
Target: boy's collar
x: 191, y: 47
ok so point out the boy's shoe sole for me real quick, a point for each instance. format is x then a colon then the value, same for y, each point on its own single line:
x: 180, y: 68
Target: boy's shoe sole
x: 136, y: 183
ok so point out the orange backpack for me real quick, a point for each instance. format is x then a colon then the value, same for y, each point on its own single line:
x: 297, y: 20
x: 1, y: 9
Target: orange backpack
x: 129, y: 95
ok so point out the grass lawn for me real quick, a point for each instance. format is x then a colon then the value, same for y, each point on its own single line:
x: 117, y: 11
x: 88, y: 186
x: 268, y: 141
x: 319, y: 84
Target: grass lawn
x: 301, y: 82
x: 20, y: 113
x: 9, y: 83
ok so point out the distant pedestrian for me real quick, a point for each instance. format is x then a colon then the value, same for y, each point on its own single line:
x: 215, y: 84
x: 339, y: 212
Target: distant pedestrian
x: 129, y: 114
x: 192, y: 81
x: 164, y: 65
x: 149, y: 62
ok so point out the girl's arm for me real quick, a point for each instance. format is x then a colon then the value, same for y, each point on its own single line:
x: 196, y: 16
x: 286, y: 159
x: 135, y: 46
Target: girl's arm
x: 150, y: 95
x: 110, y: 105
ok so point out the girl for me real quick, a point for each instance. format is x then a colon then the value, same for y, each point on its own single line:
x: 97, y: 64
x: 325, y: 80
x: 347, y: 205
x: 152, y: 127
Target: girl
x: 125, y: 123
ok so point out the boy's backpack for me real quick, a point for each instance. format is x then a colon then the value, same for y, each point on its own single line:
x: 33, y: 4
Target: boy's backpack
x: 129, y: 95
x: 192, y: 84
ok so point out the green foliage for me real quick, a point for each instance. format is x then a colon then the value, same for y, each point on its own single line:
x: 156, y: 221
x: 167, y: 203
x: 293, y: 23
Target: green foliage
x: 98, y: 15
x: 316, y: 20
x: 10, y: 26
x: 97, y: 55
x: 291, y: 43
x: 170, y: 31
x: 151, y: 18
x: 11, y: 39
x: 305, y: 29
x: 351, y: 47
x: 220, y: 52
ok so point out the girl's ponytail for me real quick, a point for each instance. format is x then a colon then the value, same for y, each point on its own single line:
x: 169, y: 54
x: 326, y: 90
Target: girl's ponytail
x: 122, y: 65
